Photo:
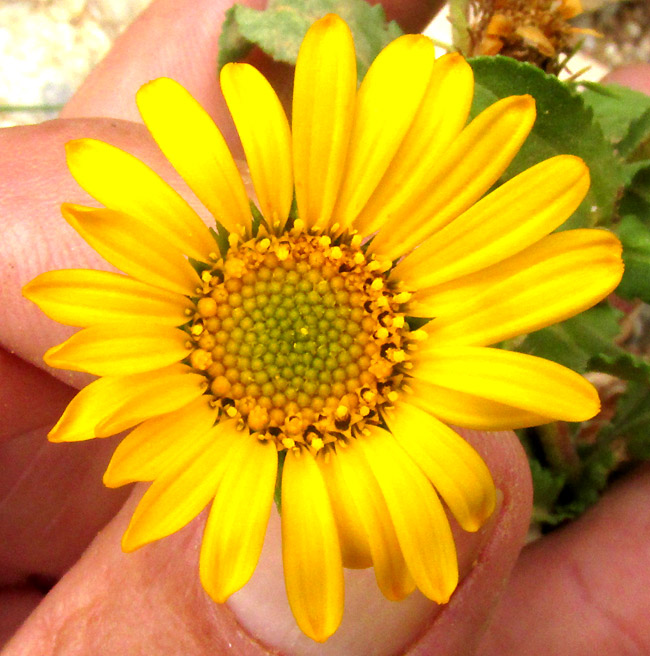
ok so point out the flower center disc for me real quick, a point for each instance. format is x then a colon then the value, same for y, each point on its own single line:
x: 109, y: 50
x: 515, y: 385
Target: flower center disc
x: 300, y: 338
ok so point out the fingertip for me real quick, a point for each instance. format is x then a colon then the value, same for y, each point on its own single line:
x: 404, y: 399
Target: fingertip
x: 589, y: 579
x: 634, y: 76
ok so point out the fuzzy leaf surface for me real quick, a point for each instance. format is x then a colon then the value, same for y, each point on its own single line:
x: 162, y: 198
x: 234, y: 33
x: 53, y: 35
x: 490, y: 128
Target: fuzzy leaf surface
x: 624, y: 365
x: 280, y: 28
x: 635, y: 237
x: 632, y: 420
x: 564, y: 125
x: 459, y: 27
x: 616, y: 108
x: 574, y: 342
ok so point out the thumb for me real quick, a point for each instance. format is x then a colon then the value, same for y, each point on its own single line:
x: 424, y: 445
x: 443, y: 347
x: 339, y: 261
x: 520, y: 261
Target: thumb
x: 152, y: 602
x: 100, y: 601
x: 634, y: 76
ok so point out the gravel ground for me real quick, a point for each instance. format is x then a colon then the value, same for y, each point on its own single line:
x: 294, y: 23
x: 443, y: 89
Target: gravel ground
x: 47, y: 47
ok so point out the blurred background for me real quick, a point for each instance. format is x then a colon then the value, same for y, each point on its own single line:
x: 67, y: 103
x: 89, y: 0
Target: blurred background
x: 48, y: 46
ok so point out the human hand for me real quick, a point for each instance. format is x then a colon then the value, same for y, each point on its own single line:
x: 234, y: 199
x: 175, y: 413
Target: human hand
x: 152, y: 602
x: 583, y: 588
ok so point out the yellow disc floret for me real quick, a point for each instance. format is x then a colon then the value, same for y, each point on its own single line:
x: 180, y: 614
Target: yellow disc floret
x: 299, y: 336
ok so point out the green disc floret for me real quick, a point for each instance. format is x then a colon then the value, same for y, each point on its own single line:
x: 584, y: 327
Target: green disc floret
x: 287, y: 333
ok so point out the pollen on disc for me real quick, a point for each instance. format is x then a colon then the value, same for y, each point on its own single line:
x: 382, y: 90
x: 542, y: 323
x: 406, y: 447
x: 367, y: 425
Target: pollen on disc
x: 299, y: 337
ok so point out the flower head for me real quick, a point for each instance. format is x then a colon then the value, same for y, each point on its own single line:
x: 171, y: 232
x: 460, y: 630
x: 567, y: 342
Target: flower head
x: 291, y: 339
x: 535, y: 30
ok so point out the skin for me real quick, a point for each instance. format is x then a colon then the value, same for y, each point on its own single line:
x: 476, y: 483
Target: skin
x: 579, y: 591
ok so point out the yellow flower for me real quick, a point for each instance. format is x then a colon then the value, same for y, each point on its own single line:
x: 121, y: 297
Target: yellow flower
x: 291, y: 342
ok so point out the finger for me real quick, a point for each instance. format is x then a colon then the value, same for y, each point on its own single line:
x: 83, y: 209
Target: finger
x: 172, y: 38
x: 635, y: 76
x: 179, y: 39
x: 52, y: 502
x: 583, y: 589
x: 16, y: 604
x: 584, y: 544
x: 33, y: 184
x: 458, y: 629
x: 106, y: 588
x: 51, y: 496
x: 29, y: 398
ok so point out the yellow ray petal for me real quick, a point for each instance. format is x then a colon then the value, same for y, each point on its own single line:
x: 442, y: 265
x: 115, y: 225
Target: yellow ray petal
x: 156, y: 444
x: 387, y: 103
x: 325, y: 87
x: 123, y: 183
x: 265, y: 135
x: 508, y: 220
x: 80, y: 297
x: 469, y: 167
x: 419, y: 519
x: 197, y: 150
x: 129, y: 245
x: 169, y: 393
x: 469, y: 411
x: 93, y: 403
x: 311, y: 555
x: 440, y: 117
x: 457, y: 472
x: 118, y: 350
x: 570, y: 8
x: 101, y: 398
x: 446, y: 298
x: 393, y: 578
x: 175, y: 498
x: 523, y: 381
x: 234, y: 533
x: 355, y: 548
x: 585, y: 267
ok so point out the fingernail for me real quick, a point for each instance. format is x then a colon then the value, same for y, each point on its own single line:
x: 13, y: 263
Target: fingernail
x: 371, y: 626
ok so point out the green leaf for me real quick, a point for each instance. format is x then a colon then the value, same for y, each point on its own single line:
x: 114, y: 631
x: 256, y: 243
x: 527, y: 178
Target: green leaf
x: 30, y: 108
x: 636, y: 196
x: 634, y: 144
x: 632, y: 420
x: 232, y: 45
x: 258, y: 219
x: 631, y: 169
x: 280, y: 28
x: 598, y: 465
x: 547, y: 486
x: 635, y: 237
x: 198, y: 266
x: 615, y: 107
x: 459, y: 28
x: 574, y: 342
x: 564, y: 125
x: 277, y: 494
x: 625, y: 365
x: 221, y: 237
x: 415, y: 323
x: 640, y: 185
